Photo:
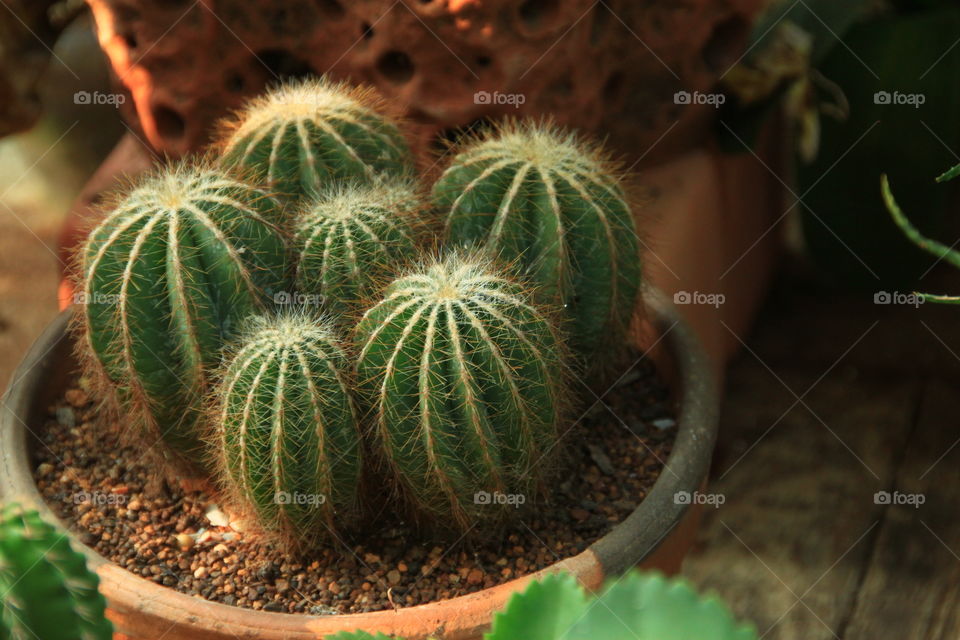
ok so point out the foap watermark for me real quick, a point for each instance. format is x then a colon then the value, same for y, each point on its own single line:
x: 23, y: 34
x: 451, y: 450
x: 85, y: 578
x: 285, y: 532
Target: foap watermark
x: 896, y: 98
x: 896, y: 498
x: 96, y: 297
x: 509, y: 499
x: 715, y: 100
x: 714, y: 500
x: 99, y: 97
x: 696, y: 297
x: 298, y: 299
x: 498, y: 98
x: 99, y: 498
x: 895, y: 297
x: 297, y: 498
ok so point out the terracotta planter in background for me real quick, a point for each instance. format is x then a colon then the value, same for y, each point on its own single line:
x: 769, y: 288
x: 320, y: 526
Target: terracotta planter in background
x: 656, y: 535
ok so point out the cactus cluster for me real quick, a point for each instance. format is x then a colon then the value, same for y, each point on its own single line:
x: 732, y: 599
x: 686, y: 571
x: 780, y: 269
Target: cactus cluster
x: 538, y: 197
x: 287, y: 429
x: 452, y: 377
x: 168, y: 277
x: 46, y: 590
x: 351, y: 237
x: 307, y: 134
x: 464, y: 377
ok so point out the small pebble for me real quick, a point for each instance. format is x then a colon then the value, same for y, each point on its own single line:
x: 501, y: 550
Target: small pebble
x: 216, y: 517
x: 66, y: 417
x: 475, y: 577
x: 184, y: 541
x: 601, y: 459
x: 664, y: 423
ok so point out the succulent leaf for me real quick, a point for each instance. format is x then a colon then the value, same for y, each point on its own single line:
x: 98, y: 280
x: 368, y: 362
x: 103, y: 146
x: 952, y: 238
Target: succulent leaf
x: 645, y: 606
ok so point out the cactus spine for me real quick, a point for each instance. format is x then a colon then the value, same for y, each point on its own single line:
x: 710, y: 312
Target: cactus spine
x: 167, y: 277
x: 303, y: 135
x: 288, y: 437
x: 463, y: 376
x: 537, y: 196
x: 45, y: 587
x: 350, y: 237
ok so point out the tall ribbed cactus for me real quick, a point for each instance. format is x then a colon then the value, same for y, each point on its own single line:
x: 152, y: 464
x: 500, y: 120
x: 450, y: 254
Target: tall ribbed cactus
x: 305, y: 134
x: 350, y: 237
x: 538, y: 197
x: 167, y: 278
x: 46, y: 590
x: 288, y: 439
x: 464, y: 379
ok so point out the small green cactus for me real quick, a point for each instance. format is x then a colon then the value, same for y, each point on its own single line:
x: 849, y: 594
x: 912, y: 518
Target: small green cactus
x: 288, y: 439
x: 166, y: 279
x: 305, y: 134
x: 464, y: 380
x: 46, y: 590
x: 537, y: 196
x: 351, y: 237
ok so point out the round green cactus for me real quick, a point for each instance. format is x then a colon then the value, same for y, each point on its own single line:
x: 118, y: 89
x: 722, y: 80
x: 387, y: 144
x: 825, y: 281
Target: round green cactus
x: 464, y: 379
x: 288, y: 439
x: 305, y: 134
x: 351, y: 237
x: 167, y: 278
x: 552, y: 205
x: 46, y: 590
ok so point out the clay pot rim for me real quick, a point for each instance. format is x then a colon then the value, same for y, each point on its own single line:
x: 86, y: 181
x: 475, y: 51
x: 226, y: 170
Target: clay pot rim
x: 632, y: 540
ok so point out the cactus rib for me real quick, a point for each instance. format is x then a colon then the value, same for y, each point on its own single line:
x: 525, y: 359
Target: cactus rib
x: 541, y: 198
x: 167, y: 277
x: 288, y: 440
x: 351, y: 237
x: 304, y: 135
x: 462, y: 375
x: 46, y: 590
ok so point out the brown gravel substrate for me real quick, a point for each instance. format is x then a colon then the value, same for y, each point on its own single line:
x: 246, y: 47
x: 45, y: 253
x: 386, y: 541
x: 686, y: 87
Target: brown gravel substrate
x: 102, y: 490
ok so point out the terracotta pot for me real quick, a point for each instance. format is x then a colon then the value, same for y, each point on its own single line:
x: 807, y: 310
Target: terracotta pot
x: 656, y: 535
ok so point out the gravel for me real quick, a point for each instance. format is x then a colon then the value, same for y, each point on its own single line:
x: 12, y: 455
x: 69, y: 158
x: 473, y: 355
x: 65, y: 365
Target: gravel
x: 181, y: 539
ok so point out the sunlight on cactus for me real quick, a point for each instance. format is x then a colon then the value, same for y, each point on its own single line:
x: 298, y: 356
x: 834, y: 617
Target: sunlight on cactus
x: 464, y: 378
x: 287, y: 439
x: 306, y: 134
x: 351, y: 237
x: 534, y: 194
x: 167, y: 278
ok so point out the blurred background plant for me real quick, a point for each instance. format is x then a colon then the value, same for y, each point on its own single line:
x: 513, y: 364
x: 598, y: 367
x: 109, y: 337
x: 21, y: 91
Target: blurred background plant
x: 865, y: 87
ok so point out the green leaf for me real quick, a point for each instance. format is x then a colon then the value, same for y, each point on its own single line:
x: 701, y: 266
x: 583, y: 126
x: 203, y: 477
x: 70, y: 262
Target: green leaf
x: 544, y: 611
x: 938, y: 249
x: 950, y: 175
x: 651, y: 607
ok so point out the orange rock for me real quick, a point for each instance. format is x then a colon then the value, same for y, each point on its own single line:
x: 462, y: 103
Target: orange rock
x: 611, y: 68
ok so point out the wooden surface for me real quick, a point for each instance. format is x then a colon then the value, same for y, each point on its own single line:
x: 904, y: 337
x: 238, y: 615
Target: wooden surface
x: 834, y: 399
